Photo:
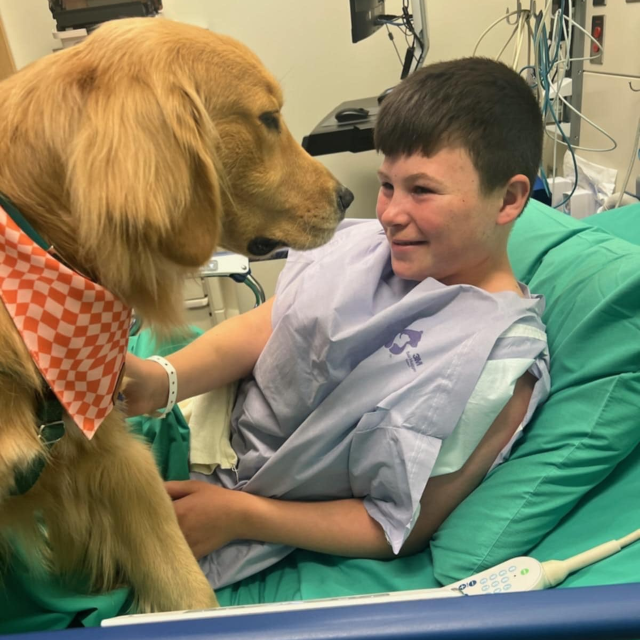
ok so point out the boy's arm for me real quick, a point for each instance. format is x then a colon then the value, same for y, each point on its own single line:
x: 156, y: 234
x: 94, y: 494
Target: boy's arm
x: 224, y: 354
x: 444, y: 493
x: 211, y: 516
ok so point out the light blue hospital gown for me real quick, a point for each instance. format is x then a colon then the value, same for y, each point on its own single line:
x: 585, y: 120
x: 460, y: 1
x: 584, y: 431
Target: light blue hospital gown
x: 364, y: 377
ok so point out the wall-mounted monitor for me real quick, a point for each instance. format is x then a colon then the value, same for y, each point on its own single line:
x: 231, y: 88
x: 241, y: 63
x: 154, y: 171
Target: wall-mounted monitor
x: 364, y: 14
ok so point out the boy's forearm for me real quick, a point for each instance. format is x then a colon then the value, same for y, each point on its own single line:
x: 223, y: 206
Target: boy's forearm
x: 224, y: 354
x: 337, y: 527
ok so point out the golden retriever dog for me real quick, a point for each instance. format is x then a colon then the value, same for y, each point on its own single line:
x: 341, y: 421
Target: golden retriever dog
x: 135, y: 154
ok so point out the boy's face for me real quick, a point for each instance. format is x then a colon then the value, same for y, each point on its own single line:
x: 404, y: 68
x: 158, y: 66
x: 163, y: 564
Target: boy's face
x: 437, y: 221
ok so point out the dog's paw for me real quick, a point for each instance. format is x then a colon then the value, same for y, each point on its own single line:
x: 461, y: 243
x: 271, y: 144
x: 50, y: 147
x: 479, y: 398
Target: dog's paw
x: 197, y: 598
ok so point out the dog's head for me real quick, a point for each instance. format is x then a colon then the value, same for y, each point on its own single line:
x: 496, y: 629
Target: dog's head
x: 145, y: 147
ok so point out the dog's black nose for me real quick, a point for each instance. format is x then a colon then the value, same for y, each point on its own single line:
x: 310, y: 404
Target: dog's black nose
x: 262, y: 246
x: 345, y: 198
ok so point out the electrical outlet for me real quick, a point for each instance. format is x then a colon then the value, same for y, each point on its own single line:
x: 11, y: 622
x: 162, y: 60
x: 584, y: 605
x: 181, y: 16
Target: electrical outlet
x: 597, y: 31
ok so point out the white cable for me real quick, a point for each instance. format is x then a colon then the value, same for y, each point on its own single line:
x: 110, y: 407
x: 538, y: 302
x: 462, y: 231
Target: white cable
x: 547, y: 8
x: 572, y: 24
x: 589, y: 58
x: 569, y: 35
x: 594, y: 125
x: 529, y: 42
x: 543, y: 95
x: 562, y: 70
x: 634, y: 155
x: 554, y: 45
x: 506, y: 44
x: 559, y: 98
x: 555, y: 571
x: 520, y: 39
x: 173, y: 384
x: 632, y: 537
x: 486, y: 31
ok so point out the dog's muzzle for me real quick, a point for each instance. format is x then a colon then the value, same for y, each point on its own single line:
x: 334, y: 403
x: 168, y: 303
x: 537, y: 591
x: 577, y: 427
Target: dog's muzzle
x: 262, y: 246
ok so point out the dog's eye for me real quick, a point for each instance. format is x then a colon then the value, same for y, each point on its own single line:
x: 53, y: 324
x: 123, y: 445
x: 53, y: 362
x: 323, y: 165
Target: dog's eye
x: 270, y: 120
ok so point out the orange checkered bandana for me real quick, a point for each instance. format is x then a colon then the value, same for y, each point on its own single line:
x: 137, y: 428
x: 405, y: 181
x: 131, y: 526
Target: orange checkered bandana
x: 75, y: 330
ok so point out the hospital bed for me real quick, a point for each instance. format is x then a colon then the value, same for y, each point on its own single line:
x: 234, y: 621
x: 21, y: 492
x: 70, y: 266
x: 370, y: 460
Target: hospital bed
x: 572, y: 482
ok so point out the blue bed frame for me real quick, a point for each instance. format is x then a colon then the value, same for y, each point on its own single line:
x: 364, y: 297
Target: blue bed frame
x: 587, y: 613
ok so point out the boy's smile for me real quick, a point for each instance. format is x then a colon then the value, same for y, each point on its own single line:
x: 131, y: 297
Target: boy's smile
x: 438, y: 222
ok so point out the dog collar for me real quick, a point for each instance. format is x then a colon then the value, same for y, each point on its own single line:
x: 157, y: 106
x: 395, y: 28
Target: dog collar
x: 50, y: 427
x: 75, y: 330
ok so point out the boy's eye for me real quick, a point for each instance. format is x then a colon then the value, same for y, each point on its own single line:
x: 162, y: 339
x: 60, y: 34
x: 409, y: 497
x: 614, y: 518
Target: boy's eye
x: 422, y: 190
x: 387, y: 186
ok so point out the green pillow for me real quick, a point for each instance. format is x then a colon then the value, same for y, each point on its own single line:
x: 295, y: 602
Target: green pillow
x: 591, y: 281
x: 608, y: 512
x: 622, y: 222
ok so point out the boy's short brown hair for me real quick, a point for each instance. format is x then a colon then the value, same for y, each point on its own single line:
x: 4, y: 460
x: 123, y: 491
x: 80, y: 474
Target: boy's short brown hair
x: 477, y: 104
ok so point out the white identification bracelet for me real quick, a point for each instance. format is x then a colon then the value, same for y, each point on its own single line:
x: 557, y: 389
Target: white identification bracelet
x: 173, y: 384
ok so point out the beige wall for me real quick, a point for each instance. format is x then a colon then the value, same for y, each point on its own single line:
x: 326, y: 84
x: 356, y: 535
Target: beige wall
x: 28, y: 24
x: 7, y: 65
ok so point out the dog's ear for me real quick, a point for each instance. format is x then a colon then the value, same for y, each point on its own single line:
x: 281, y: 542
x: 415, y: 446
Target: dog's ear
x: 142, y: 170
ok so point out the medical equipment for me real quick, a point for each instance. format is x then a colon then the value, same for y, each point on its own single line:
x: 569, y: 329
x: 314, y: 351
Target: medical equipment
x: 334, y: 134
x: 516, y: 575
x: 365, y: 18
x: 210, y: 297
x: 564, y: 50
x: 75, y: 19
x: 88, y: 14
x: 205, y: 301
x: 236, y: 267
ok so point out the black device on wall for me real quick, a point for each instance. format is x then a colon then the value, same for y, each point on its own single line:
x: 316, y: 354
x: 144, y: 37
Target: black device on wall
x: 364, y: 15
x: 88, y: 14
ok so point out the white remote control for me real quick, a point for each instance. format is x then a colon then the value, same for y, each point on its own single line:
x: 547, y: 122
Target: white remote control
x: 527, y: 574
x: 517, y: 574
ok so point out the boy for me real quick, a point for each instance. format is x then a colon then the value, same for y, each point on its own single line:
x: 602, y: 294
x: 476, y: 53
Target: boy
x: 396, y: 365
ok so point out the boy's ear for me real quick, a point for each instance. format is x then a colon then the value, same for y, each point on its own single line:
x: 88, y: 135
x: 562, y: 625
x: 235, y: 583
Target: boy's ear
x: 515, y: 198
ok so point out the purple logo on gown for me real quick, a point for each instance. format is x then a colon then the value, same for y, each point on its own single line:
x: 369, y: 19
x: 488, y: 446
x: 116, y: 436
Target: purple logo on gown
x: 406, y: 338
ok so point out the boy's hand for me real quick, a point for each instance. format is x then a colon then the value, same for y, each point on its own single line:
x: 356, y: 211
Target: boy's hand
x: 209, y: 516
x: 145, y: 387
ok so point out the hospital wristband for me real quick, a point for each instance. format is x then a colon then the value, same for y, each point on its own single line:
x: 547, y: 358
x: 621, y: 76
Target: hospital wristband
x: 173, y: 384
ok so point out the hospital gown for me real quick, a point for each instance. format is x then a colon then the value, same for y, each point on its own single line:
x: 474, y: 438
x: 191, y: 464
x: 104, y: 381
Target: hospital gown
x: 363, y: 379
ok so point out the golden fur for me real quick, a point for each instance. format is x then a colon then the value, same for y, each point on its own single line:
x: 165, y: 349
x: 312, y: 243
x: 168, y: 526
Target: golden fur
x: 135, y: 154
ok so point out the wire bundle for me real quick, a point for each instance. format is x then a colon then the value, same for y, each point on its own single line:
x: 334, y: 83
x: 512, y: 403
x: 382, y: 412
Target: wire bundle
x: 404, y: 22
x: 552, y: 61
